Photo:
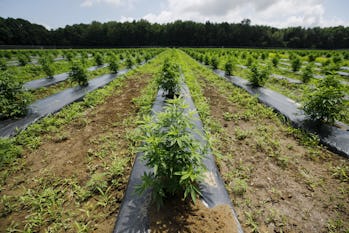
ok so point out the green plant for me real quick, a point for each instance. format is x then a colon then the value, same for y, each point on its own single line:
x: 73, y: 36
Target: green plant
x: 325, y: 103
x: 8, y: 151
x: 99, y: 59
x: 129, y: 62
x: 275, y: 61
x: 169, y: 79
x: 97, y: 182
x: 172, y: 151
x: 13, y: 98
x: 46, y: 65
x: 307, y: 73
x: 3, y: 64
x: 239, y: 186
x: 296, y: 64
x: 258, y: 75
x: 113, y: 65
x: 214, y: 63
x: 78, y: 74
x: 23, y: 60
x: 228, y: 67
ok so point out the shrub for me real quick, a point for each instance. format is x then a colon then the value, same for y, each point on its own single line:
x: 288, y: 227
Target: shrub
x: 214, y: 63
x: 249, y: 61
x: 229, y: 67
x: 296, y: 64
x: 169, y: 79
x: 46, y: 65
x: 78, y: 74
x: 307, y: 73
x: 129, y: 63
x: 258, y: 75
x: 13, y: 99
x: 99, y: 59
x: 326, y: 102
x: 275, y: 61
x: 113, y: 64
x: 311, y: 58
x: 23, y: 60
x: 3, y: 64
x: 172, y: 151
x: 206, y: 60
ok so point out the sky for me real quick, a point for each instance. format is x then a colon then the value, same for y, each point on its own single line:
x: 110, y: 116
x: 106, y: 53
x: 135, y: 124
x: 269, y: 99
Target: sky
x: 277, y: 13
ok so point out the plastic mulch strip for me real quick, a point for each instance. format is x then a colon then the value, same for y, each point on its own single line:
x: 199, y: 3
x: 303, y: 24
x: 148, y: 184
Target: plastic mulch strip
x: 45, y: 82
x: 335, y: 138
x: 53, y: 104
x: 133, y: 216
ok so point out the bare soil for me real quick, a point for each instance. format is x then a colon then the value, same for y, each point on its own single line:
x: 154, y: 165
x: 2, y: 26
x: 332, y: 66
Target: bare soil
x: 184, y: 216
x: 291, y: 187
x: 68, y: 157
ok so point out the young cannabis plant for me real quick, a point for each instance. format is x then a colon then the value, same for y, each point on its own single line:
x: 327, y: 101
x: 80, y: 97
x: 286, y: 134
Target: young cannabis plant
x: 326, y: 102
x: 258, y: 75
x: 78, y: 74
x: 169, y: 79
x: 171, y: 150
x: 13, y: 98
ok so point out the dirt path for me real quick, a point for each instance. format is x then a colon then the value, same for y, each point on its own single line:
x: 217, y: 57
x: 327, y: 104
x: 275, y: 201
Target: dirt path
x: 76, y: 179
x: 277, y: 182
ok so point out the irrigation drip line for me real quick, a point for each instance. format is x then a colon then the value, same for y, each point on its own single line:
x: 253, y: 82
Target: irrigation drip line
x: 133, y: 216
x: 45, y: 82
x: 336, y: 139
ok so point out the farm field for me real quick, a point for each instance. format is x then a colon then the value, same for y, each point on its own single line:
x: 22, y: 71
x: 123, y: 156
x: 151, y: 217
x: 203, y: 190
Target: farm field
x: 69, y: 171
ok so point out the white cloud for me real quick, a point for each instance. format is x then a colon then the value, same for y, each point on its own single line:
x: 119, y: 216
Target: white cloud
x: 277, y: 13
x: 90, y: 3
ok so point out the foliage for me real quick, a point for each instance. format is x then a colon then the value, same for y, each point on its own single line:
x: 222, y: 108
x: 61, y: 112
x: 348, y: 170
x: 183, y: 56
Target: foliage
x: 8, y: 151
x: 46, y: 65
x: 172, y: 151
x: 325, y: 103
x: 23, y: 60
x: 214, y: 63
x: 13, y: 99
x: 169, y: 79
x: 296, y: 64
x: 129, y: 62
x: 3, y: 64
x: 307, y: 73
x: 78, y: 74
x: 275, y: 61
x: 99, y: 59
x: 228, y: 67
x: 113, y: 64
x: 258, y: 75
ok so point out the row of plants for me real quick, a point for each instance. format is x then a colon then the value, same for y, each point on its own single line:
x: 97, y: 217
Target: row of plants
x: 328, y: 91
x: 15, y: 99
x: 168, y: 144
x: 77, y: 203
x: 255, y: 151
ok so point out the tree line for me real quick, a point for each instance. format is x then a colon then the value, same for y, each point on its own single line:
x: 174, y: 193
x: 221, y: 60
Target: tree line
x: 178, y: 33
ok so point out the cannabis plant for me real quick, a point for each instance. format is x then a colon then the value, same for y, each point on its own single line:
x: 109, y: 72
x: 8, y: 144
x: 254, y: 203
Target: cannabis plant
x: 326, y: 102
x: 172, y: 151
x: 258, y: 75
x: 228, y: 67
x: 169, y: 79
x: 13, y: 99
x: 78, y: 74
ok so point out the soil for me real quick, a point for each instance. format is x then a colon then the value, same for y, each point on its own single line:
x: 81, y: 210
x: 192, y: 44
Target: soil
x: 61, y: 158
x: 291, y: 187
x: 183, y: 216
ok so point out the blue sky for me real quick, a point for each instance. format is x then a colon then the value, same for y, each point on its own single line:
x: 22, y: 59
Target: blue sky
x: 278, y: 13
